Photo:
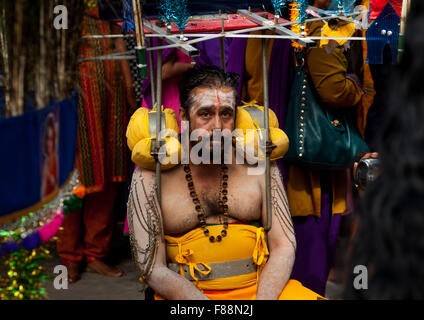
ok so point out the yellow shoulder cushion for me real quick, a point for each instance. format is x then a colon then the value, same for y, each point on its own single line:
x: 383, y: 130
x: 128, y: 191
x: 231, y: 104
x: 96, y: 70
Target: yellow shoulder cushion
x: 142, y: 157
x: 139, y: 139
x: 247, y: 120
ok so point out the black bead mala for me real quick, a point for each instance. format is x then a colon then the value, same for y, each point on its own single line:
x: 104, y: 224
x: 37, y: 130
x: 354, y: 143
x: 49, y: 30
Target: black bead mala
x: 223, y: 198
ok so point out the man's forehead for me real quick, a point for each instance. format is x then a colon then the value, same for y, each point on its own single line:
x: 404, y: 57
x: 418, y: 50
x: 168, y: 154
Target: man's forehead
x: 200, y: 90
x: 224, y: 95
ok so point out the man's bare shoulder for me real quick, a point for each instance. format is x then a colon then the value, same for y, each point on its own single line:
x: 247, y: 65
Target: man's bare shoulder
x: 253, y: 170
x: 149, y: 176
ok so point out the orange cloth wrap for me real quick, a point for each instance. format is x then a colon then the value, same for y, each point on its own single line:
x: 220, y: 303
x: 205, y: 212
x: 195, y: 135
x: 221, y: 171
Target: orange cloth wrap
x: 242, y: 241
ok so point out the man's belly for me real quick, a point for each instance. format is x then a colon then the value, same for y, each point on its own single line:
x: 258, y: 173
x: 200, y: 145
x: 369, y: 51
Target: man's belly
x: 183, y: 219
x: 183, y: 226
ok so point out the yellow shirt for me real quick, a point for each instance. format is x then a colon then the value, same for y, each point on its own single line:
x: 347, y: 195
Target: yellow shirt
x: 328, y: 74
x: 252, y: 88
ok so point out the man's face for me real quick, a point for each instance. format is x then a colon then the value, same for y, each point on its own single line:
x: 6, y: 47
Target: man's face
x: 212, y: 109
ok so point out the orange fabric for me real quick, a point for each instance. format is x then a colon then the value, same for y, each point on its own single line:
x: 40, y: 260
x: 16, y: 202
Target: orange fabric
x: 328, y: 74
x: 80, y: 191
x: 193, y: 249
x: 102, y: 154
x: 304, y: 192
x: 292, y: 291
x: 368, y: 98
x: 253, y: 88
x: 87, y: 233
x: 368, y: 83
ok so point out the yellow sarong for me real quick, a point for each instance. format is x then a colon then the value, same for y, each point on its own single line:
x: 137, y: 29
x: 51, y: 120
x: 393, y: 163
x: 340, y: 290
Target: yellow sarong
x: 242, y: 241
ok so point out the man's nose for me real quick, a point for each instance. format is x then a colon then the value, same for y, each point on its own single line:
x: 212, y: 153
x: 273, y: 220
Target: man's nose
x: 217, y: 123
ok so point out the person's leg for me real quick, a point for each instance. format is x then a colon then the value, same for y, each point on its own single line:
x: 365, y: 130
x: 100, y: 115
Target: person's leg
x: 69, y: 244
x: 311, y: 262
x: 98, y: 221
x: 333, y: 237
x: 316, y: 240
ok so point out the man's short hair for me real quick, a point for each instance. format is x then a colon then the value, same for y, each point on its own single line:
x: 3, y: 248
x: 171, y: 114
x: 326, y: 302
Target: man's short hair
x: 205, y: 77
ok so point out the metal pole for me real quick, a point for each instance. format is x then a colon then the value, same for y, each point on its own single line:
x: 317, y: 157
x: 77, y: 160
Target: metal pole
x: 140, y: 49
x: 158, y: 121
x: 152, y: 73
x: 173, y: 39
x: 405, y: 9
x: 279, y: 29
x: 222, y: 46
x: 339, y: 16
x: 268, y: 223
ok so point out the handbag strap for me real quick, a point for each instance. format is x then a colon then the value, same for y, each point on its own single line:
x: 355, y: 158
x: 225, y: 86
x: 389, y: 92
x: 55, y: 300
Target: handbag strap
x: 300, y: 68
x: 300, y: 58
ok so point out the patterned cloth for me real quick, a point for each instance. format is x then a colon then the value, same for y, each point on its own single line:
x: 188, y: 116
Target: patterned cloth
x: 131, y: 43
x: 101, y: 151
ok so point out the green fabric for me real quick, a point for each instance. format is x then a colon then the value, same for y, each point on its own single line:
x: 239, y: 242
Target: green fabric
x: 141, y: 62
x: 319, y: 143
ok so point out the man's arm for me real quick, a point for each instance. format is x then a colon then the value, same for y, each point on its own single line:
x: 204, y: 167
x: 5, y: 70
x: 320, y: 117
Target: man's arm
x: 148, y: 244
x: 281, y: 241
x: 173, y: 68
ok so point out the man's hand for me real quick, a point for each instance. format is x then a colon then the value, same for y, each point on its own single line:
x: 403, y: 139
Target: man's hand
x: 174, y: 69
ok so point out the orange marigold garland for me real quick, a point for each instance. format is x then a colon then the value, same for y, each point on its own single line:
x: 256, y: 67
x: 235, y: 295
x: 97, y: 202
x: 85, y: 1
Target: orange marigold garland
x: 297, y: 14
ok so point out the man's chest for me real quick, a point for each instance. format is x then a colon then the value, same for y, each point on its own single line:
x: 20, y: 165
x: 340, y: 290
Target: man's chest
x: 180, y: 214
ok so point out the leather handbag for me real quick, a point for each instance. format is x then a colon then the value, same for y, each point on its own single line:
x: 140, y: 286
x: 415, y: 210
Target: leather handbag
x: 319, y: 137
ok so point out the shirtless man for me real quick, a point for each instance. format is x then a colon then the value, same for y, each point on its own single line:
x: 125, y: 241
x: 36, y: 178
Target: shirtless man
x: 208, y: 97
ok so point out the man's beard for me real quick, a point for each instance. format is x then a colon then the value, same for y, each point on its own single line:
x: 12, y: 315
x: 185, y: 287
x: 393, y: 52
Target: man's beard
x: 215, y: 148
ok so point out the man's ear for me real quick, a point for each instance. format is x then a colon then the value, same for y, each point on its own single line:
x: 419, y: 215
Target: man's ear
x: 182, y: 114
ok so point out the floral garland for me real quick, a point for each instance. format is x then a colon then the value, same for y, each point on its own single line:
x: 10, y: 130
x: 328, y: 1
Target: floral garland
x: 23, y: 243
x: 298, y: 14
x: 38, y: 227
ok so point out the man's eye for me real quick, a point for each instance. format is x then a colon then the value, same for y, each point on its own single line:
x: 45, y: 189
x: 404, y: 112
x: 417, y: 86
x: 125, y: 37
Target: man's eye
x: 227, y: 114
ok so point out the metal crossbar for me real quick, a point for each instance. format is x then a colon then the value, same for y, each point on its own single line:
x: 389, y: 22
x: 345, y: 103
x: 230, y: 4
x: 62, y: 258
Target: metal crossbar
x: 183, y: 46
x: 280, y: 29
x: 277, y: 28
x: 334, y: 16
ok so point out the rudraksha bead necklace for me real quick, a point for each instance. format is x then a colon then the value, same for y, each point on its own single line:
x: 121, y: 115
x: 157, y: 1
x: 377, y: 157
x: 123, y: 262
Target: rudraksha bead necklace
x: 223, y: 198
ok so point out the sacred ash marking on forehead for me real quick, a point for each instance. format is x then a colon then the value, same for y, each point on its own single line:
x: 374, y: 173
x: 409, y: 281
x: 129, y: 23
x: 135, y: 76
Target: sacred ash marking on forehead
x: 212, y: 97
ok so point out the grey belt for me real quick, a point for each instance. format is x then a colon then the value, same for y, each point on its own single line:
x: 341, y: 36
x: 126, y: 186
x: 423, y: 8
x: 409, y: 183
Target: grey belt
x: 218, y: 270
